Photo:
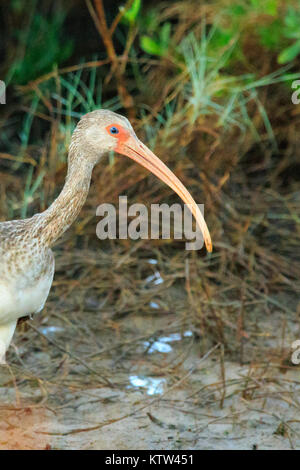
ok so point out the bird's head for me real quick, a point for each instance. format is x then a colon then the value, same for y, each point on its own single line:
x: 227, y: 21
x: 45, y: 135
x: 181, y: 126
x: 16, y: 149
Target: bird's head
x: 102, y: 131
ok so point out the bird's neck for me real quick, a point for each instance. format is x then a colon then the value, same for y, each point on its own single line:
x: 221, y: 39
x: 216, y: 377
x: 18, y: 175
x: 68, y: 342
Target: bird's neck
x: 53, y: 222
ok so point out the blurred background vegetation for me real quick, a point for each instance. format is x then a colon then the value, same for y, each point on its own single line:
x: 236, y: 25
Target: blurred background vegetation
x: 207, y: 86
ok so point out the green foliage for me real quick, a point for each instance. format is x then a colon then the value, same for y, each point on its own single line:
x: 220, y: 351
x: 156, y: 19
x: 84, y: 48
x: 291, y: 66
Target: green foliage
x: 278, y: 34
x: 131, y: 13
x: 291, y: 30
x: 271, y: 35
x: 211, y: 77
x: 221, y: 37
x: 247, y: 17
x: 290, y: 53
x: 43, y: 48
x: 270, y: 7
x: 160, y: 45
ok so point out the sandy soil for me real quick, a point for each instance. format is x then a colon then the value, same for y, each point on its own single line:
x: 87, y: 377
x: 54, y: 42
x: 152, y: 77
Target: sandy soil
x: 169, y: 397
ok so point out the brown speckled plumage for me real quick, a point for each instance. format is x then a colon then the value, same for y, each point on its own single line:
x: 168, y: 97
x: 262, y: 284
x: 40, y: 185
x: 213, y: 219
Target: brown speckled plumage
x: 26, y: 259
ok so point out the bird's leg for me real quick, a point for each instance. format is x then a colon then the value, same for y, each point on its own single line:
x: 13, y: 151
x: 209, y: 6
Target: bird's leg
x: 6, y: 334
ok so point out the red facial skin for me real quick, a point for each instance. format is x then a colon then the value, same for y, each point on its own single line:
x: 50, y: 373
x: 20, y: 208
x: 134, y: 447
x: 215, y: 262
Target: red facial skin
x: 121, y: 137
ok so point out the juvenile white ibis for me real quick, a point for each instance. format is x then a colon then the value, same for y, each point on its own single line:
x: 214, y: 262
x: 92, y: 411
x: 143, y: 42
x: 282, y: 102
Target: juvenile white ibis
x: 26, y: 259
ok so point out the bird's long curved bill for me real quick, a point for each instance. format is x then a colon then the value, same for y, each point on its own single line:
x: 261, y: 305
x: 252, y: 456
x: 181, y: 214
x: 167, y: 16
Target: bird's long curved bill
x: 138, y: 152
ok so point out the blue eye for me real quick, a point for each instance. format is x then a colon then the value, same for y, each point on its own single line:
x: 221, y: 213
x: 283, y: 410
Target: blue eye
x: 114, y: 130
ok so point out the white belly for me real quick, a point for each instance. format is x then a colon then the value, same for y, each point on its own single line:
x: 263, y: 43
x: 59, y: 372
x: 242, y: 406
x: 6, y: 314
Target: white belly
x: 17, y: 302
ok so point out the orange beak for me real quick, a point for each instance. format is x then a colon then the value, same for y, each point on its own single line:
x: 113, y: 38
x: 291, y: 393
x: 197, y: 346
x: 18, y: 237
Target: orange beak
x: 137, y: 151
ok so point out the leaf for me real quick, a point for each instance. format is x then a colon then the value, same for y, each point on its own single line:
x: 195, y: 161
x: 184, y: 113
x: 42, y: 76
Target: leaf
x: 152, y: 47
x: 221, y: 37
x: 271, y: 7
x: 165, y: 35
x: 271, y: 35
x: 289, y: 53
x: 236, y: 10
x: 45, y: 47
x: 130, y: 15
x: 268, y: 6
x: 292, y: 19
